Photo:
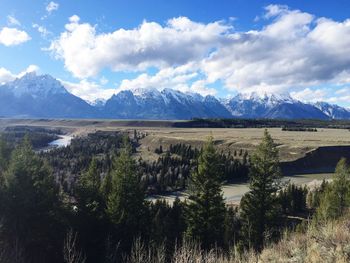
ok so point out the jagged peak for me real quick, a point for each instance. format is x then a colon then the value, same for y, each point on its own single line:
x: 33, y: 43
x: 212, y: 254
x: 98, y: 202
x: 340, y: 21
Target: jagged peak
x: 265, y: 97
x: 36, y: 85
x: 145, y: 91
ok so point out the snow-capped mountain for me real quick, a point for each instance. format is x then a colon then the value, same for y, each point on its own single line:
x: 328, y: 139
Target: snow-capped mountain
x: 165, y: 104
x: 273, y: 106
x: 41, y: 96
x: 44, y: 96
x: 333, y: 111
x: 98, y: 103
x: 36, y: 86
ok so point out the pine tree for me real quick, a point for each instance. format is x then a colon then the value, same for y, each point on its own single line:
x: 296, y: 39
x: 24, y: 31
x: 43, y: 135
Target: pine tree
x: 31, y: 216
x: 90, y: 217
x: 259, y: 207
x: 125, y: 203
x: 5, y: 153
x: 231, y: 227
x: 205, y: 212
x: 336, y: 196
x: 91, y: 180
x: 341, y: 184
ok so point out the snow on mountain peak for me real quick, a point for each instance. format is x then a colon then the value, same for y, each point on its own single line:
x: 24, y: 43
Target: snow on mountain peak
x: 36, y: 85
x: 266, y: 97
x: 145, y: 92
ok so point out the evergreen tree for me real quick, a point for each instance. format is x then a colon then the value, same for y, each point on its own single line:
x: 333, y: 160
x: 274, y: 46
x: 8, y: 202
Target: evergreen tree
x: 90, y: 217
x: 336, y: 196
x: 5, y: 153
x: 259, y: 207
x: 293, y: 199
x: 205, y: 212
x: 232, y: 226
x: 90, y: 181
x: 31, y: 207
x: 341, y: 185
x: 125, y: 203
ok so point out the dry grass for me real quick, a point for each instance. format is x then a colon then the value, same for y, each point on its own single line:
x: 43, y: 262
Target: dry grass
x: 292, y: 145
x: 326, y: 243
x: 329, y: 242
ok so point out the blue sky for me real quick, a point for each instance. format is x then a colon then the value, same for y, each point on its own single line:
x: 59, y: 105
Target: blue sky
x: 211, y: 47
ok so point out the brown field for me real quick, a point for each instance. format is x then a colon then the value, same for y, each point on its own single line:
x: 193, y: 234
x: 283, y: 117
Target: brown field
x: 292, y: 145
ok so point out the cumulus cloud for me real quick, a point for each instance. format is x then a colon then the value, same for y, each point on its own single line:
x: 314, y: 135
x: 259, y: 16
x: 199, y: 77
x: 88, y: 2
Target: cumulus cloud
x: 183, y: 78
x: 12, y: 21
x: 89, y: 91
x: 13, y: 36
x: 85, y: 51
x: 292, y: 52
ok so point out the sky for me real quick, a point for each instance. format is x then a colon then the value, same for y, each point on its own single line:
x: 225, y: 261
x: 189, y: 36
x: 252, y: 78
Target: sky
x: 220, y: 48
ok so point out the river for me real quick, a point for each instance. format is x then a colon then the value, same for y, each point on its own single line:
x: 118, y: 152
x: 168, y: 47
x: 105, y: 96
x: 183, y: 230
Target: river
x: 63, y: 141
x: 234, y: 192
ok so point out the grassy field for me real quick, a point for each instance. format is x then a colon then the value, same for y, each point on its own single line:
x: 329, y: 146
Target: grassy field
x: 292, y: 145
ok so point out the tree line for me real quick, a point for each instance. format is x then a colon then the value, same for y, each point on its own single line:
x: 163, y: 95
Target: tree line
x: 105, y: 218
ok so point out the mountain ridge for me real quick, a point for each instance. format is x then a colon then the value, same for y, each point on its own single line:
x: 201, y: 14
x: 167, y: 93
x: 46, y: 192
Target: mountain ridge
x: 44, y: 96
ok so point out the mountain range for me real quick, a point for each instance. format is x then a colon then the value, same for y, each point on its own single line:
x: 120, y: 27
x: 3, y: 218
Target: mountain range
x: 42, y: 96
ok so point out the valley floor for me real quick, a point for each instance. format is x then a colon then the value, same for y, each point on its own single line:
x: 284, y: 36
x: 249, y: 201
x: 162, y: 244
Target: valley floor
x: 292, y: 145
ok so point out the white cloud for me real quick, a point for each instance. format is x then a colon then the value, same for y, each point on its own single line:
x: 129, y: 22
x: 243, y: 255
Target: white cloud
x: 343, y: 91
x: 89, y: 91
x: 6, y: 75
x: 52, y: 6
x: 29, y: 69
x: 85, y: 52
x: 13, y: 36
x: 310, y: 95
x: 183, y: 78
x: 12, y: 21
x: 42, y: 30
x: 74, y: 19
x: 293, y: 52
x: 275, y: 10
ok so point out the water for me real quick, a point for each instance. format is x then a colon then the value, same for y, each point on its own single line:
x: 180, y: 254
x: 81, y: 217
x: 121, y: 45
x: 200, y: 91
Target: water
x: 63, y: 141
x: 234, y: 192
